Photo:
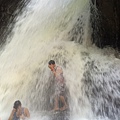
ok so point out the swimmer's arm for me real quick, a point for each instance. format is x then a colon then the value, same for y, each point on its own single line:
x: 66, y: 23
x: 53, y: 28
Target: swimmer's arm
x: 27, y: 113
x: 54, y: 72
x: 12, y: 114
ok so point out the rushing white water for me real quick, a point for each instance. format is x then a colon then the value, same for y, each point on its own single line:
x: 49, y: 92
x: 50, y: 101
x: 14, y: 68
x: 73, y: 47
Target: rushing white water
x: 43, y: 33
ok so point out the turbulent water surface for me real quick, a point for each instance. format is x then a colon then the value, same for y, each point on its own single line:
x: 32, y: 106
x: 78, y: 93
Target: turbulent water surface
x: 58, y: 30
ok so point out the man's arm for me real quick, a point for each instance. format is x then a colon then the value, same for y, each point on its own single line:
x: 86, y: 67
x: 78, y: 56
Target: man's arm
x: 54, y: 72
x: 12, y: 114
x: 27, y: 113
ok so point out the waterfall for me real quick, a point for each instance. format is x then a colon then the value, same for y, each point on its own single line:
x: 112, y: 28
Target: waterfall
x: 58, y: 30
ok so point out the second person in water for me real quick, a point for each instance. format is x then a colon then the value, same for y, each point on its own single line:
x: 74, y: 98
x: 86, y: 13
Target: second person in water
x: 19, y: 112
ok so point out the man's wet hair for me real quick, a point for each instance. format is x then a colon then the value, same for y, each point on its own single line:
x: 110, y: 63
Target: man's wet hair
x: 51, y: 62
x: 17, y: 104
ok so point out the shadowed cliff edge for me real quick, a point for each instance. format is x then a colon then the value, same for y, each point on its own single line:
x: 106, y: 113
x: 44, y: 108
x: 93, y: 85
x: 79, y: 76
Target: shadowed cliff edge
x: 9, y: 9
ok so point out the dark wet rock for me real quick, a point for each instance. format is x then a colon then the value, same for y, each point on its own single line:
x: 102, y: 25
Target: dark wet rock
x: 106, y: 23
x: 9, y: 9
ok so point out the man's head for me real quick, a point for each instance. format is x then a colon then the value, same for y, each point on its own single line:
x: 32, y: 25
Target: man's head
x: 17, y: 104
x: 51, y: 64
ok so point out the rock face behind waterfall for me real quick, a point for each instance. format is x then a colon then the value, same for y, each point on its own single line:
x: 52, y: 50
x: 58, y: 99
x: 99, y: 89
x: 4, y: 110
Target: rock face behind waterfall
x: 106, y: 24
x: 7, y: 15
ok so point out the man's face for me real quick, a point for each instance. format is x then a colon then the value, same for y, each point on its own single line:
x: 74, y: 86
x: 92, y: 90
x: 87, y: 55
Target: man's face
x: 51, y: 66
x: 19, y: 107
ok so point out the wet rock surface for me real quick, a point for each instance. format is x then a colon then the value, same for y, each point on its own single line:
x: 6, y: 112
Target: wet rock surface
x: 9, y: 9
x: 106, y: 24
x: 102, y: 88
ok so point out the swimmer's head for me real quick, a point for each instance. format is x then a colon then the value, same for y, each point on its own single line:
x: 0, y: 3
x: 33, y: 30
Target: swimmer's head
x: 17, y: 104
x: 51, y: 64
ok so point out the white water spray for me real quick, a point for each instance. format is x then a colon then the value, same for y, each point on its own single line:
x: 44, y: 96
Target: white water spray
x: 43, y: 35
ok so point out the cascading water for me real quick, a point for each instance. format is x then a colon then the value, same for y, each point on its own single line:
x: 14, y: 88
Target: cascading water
x: 45, y: 31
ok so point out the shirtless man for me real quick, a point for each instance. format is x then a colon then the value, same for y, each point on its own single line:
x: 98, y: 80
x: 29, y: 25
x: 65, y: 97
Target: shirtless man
x: 19, y: 112
x: 59, y: 85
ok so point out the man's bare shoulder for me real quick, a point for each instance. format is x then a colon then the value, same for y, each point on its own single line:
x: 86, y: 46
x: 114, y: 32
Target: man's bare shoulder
x: 27, y: 112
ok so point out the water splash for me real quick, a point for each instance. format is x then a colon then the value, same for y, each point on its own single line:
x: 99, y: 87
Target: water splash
x: 45, y: 33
